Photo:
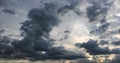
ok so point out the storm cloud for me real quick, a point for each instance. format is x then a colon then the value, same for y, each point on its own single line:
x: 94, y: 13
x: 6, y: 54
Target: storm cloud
x: 36, y: 43
x: 116, y: 43
x: 93, y: 48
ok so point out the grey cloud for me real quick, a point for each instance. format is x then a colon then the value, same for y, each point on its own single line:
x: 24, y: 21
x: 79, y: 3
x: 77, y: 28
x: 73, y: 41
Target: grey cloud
x: 44, y: 18
x: 52, y: 53
x: 2, y: 2
x: 70, y: 7
x: 103, y: 42
x: 101, y: 29
x: 94, y: 11
x: 93, y: 48
x: 116, y: 51
x: 86, y: 61
x: 97, y: 13
x: 6, y: 50
x: 119, y: 30
x: 8, y: 11
x: 2, y: 31
x: 116, y: 43
x: 36, y: 36
x: 36, y: 44
x: 61, y: 53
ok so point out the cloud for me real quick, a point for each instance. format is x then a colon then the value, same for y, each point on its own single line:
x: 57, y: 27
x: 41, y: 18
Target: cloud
x: 2, y: 2
x: 61, y: 53
x: 116, y: 43
x: 103, y: 42
x: 71, y: 7
x: 44, y: 18
x: 116, y: 51
x: 101, y: 29
x: 8, y: 11
x: 6, y: 49
x: 86, y: 61
x: 2, y: 31
x: 77, y: 22
x: 93, y: 48
x: 36, y: 43
x: 96, y: 12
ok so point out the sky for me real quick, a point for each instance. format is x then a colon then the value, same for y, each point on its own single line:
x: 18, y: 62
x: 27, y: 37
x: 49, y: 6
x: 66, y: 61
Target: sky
x: 78, y: 31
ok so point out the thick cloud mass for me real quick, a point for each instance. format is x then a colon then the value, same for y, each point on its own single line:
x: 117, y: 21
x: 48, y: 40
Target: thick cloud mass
x: 116, y: 43
x: 93, y: 48
x: 36, y: 43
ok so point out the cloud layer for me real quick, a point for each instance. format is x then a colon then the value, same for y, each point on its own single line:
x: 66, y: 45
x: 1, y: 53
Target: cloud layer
x: 55, y: 30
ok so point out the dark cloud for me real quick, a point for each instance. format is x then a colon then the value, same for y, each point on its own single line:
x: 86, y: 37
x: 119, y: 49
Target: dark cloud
x: 36, y: 43
x: 70, y: 7
x: 61, y: 53
x: 2, y: 2
x: 42, y: 21
x: 93, y: 48
x: 119, y: 30
x: 116, y: 43
x: 101, y: 29
x: 6, y: 49
x: 116, y: 51
x: 103, y: 42
x: 8, y: 11
x: 97, y: 13
x: 53, y: 53
x: 94, y: 11
x: 98, y: 8
x: 2, y: 31
x: 67, y: 31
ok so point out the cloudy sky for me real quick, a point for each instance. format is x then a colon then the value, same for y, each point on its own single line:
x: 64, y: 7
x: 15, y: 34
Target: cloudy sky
x: 60, y: 31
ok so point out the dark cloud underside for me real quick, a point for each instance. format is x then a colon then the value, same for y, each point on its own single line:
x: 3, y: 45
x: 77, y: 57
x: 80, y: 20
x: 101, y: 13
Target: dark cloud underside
x: 36, y: 43
x: 93, y: 48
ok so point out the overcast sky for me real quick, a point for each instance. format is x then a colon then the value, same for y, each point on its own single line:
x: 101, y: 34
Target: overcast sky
x: 87, y: 27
